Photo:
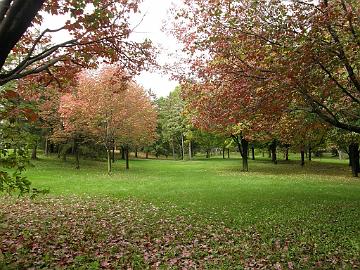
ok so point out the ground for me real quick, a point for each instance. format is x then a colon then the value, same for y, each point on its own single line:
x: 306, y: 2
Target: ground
x: 203, y: 214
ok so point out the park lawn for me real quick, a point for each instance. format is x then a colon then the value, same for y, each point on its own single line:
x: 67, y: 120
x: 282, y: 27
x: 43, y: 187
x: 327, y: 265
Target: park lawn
x: 192, y: 214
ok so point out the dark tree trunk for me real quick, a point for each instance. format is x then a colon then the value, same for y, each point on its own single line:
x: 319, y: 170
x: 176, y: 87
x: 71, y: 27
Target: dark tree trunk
x: 243, y: 147
x: 34, y: 151
x: 310, y: 153
x: 109, y: 160
x: 122, y: 152
x: 136, y: 152
x: 223, y: 152
x: 207, y: 153
x: 269, y: 151
x: 113, y: 154
x: 302, y: 153
x: 354, y: 158
x: 127, y: 157
x: 14, y: 23
x: 273, y: 151
x: 46, y: 149
x: 77, y: 155
x: 228, y: 153
x: 287, y: 153
x: 252, y: 152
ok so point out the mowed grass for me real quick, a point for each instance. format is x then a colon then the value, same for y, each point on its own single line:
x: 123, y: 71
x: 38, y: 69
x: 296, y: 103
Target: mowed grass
x: 275, y: 216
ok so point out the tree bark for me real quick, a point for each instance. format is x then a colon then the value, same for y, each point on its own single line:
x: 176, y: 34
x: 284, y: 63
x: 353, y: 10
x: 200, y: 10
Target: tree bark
x: 136, y: 152
x: 109, y: 160
x: 127, y: 157
x: 252, y: 152
x: 223, y: 152
x: 228, y: 153
x: 310, y: 153
x: 113, y: 154
x: 122, y: 152
x: 182, y: 147
x: 302, y: 154
x: 273, y: 151
x: 147, y: 154
x: 243, y: 146
x: 287, y: 153
x: 190, y: 152
x: 77, y: 155
x: 173, y: 149
x: 15, y: 22
x: 34, y: 151
x: 46, y: 149
x: 354, y: 158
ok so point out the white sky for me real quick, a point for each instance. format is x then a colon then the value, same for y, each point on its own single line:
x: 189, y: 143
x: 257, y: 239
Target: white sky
x: 155, y: 12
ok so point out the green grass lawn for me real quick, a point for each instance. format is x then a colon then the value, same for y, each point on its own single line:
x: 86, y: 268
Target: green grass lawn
x: 197, y: 214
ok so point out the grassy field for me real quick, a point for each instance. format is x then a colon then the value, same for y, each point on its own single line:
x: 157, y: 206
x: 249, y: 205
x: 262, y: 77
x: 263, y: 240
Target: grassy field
x: 186, y: 214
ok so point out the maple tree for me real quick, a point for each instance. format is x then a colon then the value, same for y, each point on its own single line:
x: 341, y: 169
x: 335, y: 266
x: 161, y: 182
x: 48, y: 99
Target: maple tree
x: 263, y: 59
x: 96, y: 31
x: 110, y: 109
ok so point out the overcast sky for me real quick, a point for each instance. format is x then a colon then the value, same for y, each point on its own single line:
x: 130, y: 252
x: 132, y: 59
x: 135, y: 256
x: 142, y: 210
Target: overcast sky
x: 155, y: 13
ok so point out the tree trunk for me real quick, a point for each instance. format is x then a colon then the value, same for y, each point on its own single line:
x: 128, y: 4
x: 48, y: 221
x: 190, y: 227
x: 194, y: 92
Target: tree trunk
x: 287, y: 153
x: 252, y: 152
x: 173, y: 149
x: 302, y: 153
x: 207, y: 153
x: 77, y: 154
x: 46, y: 150
x: 147, y: 154
x: 109, y: 160
x: 190, y: 152
x: 243, y: 147
x: 136, y: 152
x: 122, y: 152
x: 354, y: 158
x: 273, y: 151
x: 127, y: 157
x: 182, y: 147
x: 310, y: 153
x: 34, y: 151
x: 269, y: 151
x: 223, y: 152
x: 113, y: 154
x: 228, y: 153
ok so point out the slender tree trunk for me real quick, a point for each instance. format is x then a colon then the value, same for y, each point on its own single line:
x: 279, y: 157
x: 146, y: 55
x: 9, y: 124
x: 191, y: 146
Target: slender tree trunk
x: 109, y: 159
x: 228, y: 153
x: 147, y: 154
x: 245, y: 147
x: 182, y: 147
x: 269, y: 151
x: 136, y: 152
x: 34, y: 151
x: 207, y: 153
x: 190, y: 152
x: 122, y: 152
x: 77, y: 155
x: 113, y: 154
x: 354, y: 158
x: 173, y: 149
x: 46, y: 150
x: 273, y: 151
x: 263, y: 153
x: 223, y: 152
x: 252, y: 152
x: 127, y: 157
x: 310, y: 153
x: 287, y: 153
x: 302, y: 153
